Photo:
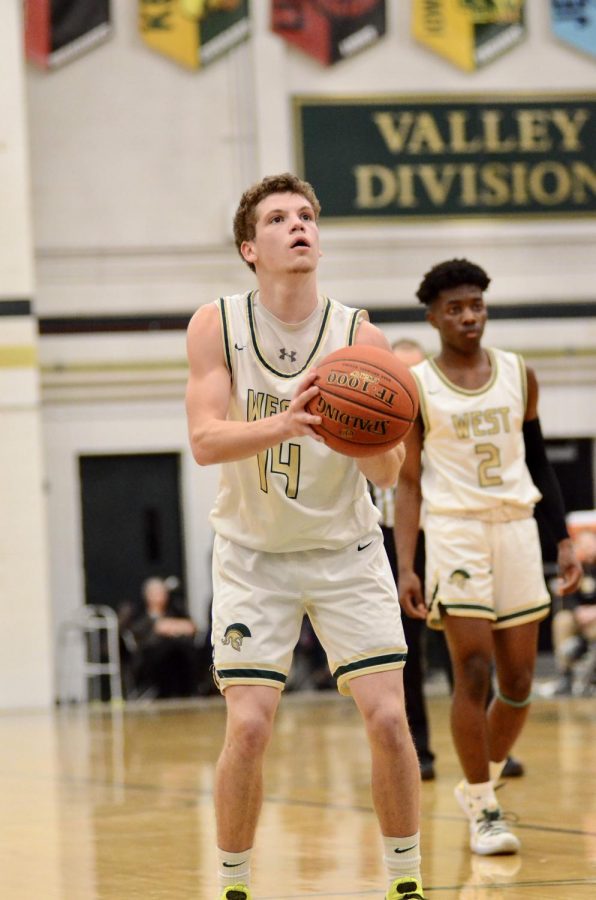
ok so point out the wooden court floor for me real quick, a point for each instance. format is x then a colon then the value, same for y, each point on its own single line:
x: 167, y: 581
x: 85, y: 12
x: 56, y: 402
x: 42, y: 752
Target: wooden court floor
x: 116, y: 804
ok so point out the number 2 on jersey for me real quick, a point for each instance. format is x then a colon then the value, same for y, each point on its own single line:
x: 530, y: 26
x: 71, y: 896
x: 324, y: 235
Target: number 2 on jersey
x: 490, y: 459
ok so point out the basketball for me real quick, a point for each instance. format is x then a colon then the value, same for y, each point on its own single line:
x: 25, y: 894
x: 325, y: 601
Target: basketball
x: 368, y: 400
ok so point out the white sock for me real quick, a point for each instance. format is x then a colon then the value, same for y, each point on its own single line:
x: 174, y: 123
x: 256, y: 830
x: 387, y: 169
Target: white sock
x: 233, y: 868
x: 402, y: 857
x: 495, y: 769
x: 480, y: 796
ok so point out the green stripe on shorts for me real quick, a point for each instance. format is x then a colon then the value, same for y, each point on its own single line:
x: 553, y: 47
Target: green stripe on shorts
x: 259, y: 674
x: 370, y: 661
x: 525, y: 612
x: 476, y: 606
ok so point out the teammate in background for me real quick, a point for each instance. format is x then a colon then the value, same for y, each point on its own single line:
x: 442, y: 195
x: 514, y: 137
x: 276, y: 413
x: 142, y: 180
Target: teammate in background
x: 296, y: 529
x: 476, y: 457
x: 410, y: 353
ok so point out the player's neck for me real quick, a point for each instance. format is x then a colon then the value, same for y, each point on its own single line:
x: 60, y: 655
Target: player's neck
x: 291, y: 299
x: 470, y: 369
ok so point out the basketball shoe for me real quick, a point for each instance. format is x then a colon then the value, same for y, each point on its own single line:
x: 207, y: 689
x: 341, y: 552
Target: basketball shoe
x: 405, y: 888
x: 236, y: 892
x: 489, y: 832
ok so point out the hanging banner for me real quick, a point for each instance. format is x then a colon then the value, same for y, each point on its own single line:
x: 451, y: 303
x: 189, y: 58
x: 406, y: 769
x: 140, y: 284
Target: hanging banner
x: 574, y: 21
x: 329, y: 30
x: 469, y: 33
x: 413, y: 158
x: 56, y: 31
x: 193, y: 32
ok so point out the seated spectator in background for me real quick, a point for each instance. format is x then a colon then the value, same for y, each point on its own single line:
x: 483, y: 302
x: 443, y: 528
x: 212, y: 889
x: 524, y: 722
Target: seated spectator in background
x: 574, y: 623
x: 168, y: 660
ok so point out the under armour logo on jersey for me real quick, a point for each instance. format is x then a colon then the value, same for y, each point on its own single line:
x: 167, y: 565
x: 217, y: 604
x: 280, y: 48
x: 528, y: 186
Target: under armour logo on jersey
x: 289, y: 354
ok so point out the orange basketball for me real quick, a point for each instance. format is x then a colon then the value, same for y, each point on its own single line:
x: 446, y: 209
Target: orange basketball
x: 368, y: 400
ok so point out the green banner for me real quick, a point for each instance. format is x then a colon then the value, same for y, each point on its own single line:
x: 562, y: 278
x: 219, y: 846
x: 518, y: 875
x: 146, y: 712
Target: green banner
x: 418, y: 157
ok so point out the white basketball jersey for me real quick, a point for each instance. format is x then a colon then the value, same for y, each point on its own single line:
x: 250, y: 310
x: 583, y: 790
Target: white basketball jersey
x: 299, y: 495
x: 473, y: 453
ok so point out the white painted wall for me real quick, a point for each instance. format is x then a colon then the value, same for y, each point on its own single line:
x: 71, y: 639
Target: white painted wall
x: 137, y: 168
x: 25, y: 653
x: 138, y: 165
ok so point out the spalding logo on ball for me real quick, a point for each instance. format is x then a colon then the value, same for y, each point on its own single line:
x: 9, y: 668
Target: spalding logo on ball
x: 367, y: 400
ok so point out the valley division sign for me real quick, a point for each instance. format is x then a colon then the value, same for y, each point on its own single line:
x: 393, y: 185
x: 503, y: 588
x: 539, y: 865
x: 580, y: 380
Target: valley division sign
x: 419, y: 157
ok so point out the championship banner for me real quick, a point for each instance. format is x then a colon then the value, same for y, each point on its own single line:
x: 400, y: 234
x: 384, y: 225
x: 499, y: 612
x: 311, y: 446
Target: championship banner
x: 418, y: 157
x: 58, y: 30
x: 329, y: 30
x: 469, y: 33
x: 193, y: 32
x: 574, y: 21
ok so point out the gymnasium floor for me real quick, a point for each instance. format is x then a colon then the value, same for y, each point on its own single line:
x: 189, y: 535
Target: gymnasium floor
x: 115, y: 804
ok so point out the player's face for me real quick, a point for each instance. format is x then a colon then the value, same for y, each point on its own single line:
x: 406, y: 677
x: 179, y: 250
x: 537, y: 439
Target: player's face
x: 459, y: 314
x: 286, y: 236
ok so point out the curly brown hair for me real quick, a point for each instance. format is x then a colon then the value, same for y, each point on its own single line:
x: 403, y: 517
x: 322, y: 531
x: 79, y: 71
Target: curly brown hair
x: 245, y: 219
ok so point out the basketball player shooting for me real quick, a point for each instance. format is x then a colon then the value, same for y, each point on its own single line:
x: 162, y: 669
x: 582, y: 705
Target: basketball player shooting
x: 295, y: 529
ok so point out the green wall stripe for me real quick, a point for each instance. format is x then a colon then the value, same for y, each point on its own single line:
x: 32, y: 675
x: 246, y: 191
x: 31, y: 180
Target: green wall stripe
x: 12, y: 307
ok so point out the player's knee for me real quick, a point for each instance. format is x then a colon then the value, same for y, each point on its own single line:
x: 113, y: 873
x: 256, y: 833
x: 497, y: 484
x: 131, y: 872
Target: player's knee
x: 515, y: 689
x: 387, y: 726
x: 250, y: 730
x: 251, y: 736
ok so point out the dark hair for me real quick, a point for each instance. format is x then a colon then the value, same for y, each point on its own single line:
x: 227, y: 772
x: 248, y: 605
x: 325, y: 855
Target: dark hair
x: 245, y: 218
x: 450, y: 274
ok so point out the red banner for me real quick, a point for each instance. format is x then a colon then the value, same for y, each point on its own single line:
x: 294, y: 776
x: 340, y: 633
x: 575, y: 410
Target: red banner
x: 58, y: 30
x: 329, y: 30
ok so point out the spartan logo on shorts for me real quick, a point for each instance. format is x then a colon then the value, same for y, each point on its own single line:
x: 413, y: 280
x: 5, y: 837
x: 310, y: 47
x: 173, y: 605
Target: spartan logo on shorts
x: 235, y: 634
x: 459, y: 577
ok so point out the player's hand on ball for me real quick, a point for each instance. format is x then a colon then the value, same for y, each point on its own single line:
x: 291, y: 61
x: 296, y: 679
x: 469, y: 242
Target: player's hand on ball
x: 368, y: 400
x: 300, y: 420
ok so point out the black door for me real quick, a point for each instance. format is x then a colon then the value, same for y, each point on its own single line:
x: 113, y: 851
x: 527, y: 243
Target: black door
x: 132, y: 524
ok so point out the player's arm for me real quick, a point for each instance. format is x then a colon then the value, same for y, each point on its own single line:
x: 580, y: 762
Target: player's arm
x: 382, y: 469
x: 543, y: 476
x: 408, y: 500
x: 213, y: 438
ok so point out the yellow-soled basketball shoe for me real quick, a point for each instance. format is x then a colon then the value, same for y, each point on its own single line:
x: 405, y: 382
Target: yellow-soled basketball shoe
x: 405, y: 888
x: 236, y: 892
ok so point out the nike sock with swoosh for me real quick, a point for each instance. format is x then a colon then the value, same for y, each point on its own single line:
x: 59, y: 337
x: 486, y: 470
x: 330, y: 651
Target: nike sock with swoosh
x: 402, y: 856
x: 234, y: 868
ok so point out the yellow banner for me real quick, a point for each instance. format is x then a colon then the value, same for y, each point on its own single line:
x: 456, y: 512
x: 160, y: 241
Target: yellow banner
x: 166, y: 27
x: 193, y: 32
x: 469, y: 33
x: 485, y: 11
